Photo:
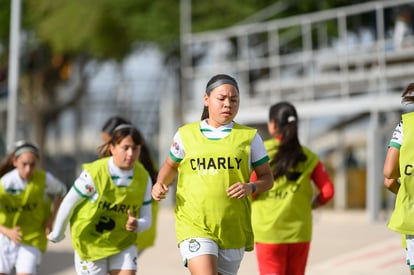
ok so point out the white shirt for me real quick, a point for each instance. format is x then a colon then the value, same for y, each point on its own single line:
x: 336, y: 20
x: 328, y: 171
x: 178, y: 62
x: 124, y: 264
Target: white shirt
x: 14, y: 184
x: 397, y: 136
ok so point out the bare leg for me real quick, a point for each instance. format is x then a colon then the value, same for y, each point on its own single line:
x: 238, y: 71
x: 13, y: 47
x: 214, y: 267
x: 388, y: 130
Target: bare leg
x: 203, y: 265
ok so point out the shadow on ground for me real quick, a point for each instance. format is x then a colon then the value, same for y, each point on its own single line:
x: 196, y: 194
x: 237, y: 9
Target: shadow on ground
x: 55, y: 261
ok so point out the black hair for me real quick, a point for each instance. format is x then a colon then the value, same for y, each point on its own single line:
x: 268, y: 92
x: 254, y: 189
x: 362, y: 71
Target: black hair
x: 110, y: 125
x: 290, y: 152
x: 119, y: 133
x: 407, y: 96
x: 214, y: 82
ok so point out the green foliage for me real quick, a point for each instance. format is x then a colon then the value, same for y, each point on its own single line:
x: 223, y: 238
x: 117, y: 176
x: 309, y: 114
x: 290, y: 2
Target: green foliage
x: 111, y: 29
x: 61, y: 33
x: 306, y: 6
x: 4, y: 19
x: 101, y: 28
x: 216, y: 14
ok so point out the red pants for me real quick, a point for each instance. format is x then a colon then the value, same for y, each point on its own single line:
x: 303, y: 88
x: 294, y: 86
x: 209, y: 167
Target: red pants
x: 282, y: 259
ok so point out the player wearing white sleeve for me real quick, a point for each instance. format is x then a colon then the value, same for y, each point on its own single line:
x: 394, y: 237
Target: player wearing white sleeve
x: 26, y: 213
x: 109, y: 202
x: 213, y: 159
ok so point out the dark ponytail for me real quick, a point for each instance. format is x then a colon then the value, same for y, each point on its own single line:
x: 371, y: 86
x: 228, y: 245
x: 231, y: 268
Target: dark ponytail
x: 290, y: 152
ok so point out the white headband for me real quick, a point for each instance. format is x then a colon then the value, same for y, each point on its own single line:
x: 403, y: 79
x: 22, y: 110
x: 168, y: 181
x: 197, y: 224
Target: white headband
x: 122, y: 126
x: 27, y: 147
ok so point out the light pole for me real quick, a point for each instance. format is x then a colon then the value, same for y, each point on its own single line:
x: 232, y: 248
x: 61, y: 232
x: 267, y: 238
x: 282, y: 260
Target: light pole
x: 13, y: 72
x: 185, y: 58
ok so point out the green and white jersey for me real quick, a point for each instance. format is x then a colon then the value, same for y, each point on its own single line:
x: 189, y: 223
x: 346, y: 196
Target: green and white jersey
x: 14, y: 184
x: 397, y: 136
x: 401, y: 218
x: 25, y: 207
x: 258, y: 154
x: 98, y: 223
x: 208, y: 168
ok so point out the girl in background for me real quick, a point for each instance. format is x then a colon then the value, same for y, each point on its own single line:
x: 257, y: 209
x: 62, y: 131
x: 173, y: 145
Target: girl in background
x: 107, y: 205
x: 282, y: 216
x: 146, y: 238
x: 398, y: 178
x: 29, y: 199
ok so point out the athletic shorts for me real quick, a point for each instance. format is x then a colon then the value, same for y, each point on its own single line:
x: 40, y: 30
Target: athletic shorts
x: 282, y: 259
x: 124, y: 260
x: 24, y: 258
x: 228, y: 260
x: 410, y: 250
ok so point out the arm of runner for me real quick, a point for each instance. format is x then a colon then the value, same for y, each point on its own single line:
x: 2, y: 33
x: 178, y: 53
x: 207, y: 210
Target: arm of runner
x: 166, y: 175
x: 392, y: 184
x: 391, y: 163
x: 263, y: 183
x: 144, y: 220
x: 260, y: 162
x: 14, y: 234
x: 56, y: 205
x: 63, y: 215
x: 56, y: 190
x: 264, y: 179
x: 323, y: 182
